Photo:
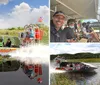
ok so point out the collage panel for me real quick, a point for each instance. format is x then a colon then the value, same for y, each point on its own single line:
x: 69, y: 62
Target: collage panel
x: 75, y: 64
x: 24, y: 42
x: 38, y: 42
x: 74, y: 21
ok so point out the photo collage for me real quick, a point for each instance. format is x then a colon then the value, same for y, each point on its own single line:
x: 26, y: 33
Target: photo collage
x: 49, y: 42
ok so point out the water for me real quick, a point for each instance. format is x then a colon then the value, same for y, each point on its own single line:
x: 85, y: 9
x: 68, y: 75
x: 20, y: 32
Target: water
x: 32, y: 54
x: 90, y: 78
x: 53, y: 70
x: 20, y: 78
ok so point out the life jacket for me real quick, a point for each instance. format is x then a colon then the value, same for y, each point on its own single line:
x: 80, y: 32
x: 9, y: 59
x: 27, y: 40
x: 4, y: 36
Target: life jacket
x: 38, y: 34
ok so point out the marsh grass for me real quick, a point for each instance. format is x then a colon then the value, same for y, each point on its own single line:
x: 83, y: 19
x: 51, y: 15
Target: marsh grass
x: 93, y: 60
x: 61, y: 79
x: 15, y: 32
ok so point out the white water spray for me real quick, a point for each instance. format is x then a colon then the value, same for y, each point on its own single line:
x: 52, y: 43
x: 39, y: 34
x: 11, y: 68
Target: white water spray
x: 32, y: 54
x: 53, y: 69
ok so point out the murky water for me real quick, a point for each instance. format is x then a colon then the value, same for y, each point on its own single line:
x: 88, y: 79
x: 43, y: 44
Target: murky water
x: 90, y: 78
x: 20, y: 78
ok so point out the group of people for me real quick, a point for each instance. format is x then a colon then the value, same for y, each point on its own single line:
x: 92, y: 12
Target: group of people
x: 75, y: 66
x: 28, y: 36
x: 59, y: 32
x: 32, y: 35
x: 69, y: 66
x: 7, y: 44
x: 88, y: 32
x: 33, y: 71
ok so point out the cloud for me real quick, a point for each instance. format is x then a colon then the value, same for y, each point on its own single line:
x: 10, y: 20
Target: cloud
x: 4, y: 2
x: 24, y: 14
x: 75, y: 48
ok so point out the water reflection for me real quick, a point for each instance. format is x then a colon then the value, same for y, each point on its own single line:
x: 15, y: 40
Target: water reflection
x: 81, y: 78
x: 12, y: 65
x: 80, y: 75
x: 32, y: 71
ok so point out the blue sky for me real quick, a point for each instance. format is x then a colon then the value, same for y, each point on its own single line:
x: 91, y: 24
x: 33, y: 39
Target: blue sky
x: 33, y: 3
x: 73, y: 48
x: 18, y: 13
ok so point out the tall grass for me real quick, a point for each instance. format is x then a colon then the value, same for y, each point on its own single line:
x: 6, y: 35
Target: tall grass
x: 61, y: 79
x: 15, y: 32
x: 45, y: 39
x: 10, y: 32
x: 85, y: 60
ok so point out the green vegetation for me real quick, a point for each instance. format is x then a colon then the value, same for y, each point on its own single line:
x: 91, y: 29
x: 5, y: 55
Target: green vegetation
x: 92, y: 60
x: 96, y: 28
x: 16, y: 31
x: 8, y: 32
x: 15, y: 40
x: 5, y: 58
x: 78, y: 56
x: 61, y: 79
x: 45, y: 36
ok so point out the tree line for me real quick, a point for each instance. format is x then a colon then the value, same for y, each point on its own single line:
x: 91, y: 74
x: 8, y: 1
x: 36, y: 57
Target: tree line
x: 77, y: 56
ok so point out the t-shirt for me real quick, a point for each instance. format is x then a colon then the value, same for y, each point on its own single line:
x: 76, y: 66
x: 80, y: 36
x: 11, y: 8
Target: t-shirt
x: 70, y: 33
x: 84, y: 31
x: 31, y: 33
x: 57, y: 36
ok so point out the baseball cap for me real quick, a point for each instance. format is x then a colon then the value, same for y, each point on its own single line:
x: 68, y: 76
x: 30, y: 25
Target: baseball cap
x: 59, y: 13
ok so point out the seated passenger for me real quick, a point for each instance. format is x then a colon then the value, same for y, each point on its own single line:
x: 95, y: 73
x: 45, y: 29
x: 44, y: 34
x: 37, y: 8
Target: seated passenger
x: 22, y: 35
x: 70, y: 34
x: 27, y: 39
x: 90, y: 35
x: 76, y: 30
x: 8, y: 43
x: 56, y: 32
x: 27, y: 35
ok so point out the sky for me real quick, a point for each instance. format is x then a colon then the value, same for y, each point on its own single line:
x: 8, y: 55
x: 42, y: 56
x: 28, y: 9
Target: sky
x: 99, y: 6
x: 72, y: 48
x: 15, y: 13
x: 89, y: 20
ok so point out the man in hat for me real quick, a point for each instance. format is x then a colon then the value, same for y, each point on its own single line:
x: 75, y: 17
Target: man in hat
x: 57, y: 34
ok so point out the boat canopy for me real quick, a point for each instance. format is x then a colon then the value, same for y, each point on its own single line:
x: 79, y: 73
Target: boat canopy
x: 79, y: 9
